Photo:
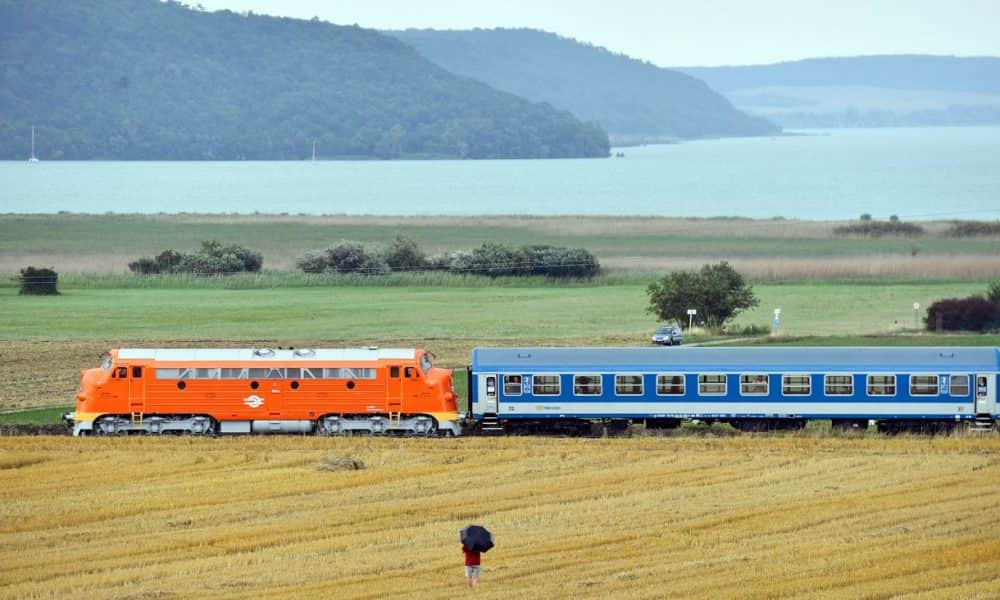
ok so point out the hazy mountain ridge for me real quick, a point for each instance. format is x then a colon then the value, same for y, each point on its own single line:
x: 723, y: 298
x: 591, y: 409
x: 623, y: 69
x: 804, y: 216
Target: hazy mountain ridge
x: 627, y: 97
x: 868, y: 91
x: 142, y: 79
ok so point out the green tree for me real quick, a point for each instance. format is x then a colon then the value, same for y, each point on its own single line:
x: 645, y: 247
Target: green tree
x: 717, y: 291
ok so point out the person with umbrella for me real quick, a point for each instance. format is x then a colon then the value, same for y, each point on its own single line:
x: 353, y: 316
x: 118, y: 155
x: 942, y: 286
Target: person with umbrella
x: 476, y: 539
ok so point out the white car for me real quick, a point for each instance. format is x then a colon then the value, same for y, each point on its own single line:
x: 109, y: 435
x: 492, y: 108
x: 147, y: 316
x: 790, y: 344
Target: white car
x: 668, y: 336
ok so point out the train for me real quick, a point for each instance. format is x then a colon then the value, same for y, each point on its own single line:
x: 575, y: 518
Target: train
x: 523, y: 390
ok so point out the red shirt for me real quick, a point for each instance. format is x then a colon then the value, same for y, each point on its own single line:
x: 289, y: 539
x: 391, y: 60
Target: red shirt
x: 471, y: 558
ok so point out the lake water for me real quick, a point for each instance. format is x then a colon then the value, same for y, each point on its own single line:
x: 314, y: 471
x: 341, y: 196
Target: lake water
x: 915, y: 173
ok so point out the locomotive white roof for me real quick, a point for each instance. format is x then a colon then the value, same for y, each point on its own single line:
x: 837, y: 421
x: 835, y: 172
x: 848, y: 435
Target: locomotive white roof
x: 266, y: 354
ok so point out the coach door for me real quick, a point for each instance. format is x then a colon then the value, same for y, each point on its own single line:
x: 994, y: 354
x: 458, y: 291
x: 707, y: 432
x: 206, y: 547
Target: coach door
x: 986, y: 393
x: 487, y: 392
x: 136, y: 391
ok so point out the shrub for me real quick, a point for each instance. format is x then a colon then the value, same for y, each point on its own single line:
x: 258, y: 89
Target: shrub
x: 38, y: 282
x: 438, y: 262
x: 552, y: 261
x: 866, y: 216
x: 993, y: 292
x: 497, y: 260
x: 974, y: 313
x: 751, y: 330
x: 250, y: 261
x: 353, y: 257
x: 313, y: 261
x: 343, y: 257
x: 403, y: 254
x: 206, y: 265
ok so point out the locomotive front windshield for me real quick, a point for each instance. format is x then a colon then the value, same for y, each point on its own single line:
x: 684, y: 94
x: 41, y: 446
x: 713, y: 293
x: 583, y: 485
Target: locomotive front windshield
x: 106, y: 363
x: 425, y: 362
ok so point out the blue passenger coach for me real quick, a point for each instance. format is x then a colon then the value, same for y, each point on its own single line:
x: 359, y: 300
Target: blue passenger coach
x: 751, y: 388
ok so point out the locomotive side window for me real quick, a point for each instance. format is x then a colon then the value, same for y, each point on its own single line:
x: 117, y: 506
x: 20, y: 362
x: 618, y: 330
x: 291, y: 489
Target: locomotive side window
x: 796, y: 385
x: 586, y: 385
x: 881, y: 385
x: 753, y: 385
x: 838, y: 385
x: 923, y: 385
x: 959, y: 385
x: 711, y: 385
x: 511, y: 385
x: 137, y: 372
x: 670, y: 385
x: 393, y: 372
x: 411, y: 373
x: 628, y: 385
x: 545, y: 385
x: 122, y: 372
x: 344, y: 373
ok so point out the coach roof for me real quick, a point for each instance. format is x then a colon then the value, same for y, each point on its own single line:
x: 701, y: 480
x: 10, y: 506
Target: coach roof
x: 745, y: 359
x: 257, y: 355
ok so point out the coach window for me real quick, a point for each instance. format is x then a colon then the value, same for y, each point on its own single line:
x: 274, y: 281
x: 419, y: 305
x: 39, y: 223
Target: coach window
x: 753, y: 385
x: 711, y: 385
x: 923, y: 385
x: 838, y: 385
x: 881, y: 385
x: 628, y: 385
x: 545, y: 385
x: 511, y: 385
x: 959, y: 385
x: 586, y: 385
x: 795, y: 385
x: 670, y: 385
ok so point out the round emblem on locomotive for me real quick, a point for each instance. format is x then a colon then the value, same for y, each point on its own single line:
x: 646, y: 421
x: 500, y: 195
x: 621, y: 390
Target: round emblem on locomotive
x: 254, y: 401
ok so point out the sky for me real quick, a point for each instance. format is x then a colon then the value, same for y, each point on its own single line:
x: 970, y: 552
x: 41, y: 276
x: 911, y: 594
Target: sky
x: 688, y: 32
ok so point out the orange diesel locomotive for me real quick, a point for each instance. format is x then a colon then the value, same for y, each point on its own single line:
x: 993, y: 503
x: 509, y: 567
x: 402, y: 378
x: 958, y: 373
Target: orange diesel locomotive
x: 208, y: 391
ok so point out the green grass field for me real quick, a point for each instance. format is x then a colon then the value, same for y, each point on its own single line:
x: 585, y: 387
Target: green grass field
x: 432, y: 313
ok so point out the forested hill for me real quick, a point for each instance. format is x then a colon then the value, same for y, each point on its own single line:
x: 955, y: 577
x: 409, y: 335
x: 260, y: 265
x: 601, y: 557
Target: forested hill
x: 150, y: 80
x: 627, y: 97
x: 865, y: 91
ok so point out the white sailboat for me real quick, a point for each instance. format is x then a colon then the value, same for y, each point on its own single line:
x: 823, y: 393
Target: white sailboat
x: 32, y: 158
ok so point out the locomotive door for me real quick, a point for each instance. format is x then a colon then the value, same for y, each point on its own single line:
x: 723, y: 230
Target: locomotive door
x: 986, y: 393
x: 394, y: 390
x: 136, y: 390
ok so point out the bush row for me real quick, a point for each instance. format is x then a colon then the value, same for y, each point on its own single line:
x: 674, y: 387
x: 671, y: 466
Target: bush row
x: 490, y: 259
x: 212, y: 259
x: 871, y: 228
x: 973, y: 228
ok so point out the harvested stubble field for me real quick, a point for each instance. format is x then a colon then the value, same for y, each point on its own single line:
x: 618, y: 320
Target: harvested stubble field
x: 750, y: 517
